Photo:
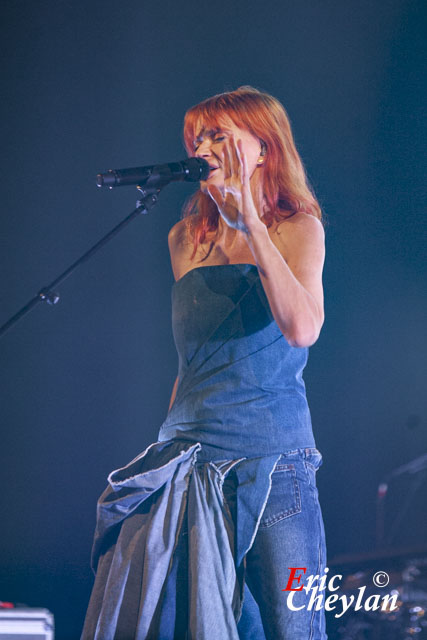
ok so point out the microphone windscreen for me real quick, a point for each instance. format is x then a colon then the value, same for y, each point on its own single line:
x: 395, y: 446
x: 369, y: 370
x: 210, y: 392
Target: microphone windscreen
x: 196, y: 169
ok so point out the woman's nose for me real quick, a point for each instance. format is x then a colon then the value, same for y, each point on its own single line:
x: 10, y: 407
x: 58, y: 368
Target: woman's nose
x: 203, y: 150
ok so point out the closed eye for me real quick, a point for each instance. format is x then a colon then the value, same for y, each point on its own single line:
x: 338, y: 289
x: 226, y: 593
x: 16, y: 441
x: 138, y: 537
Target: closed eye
x: 214, y: 136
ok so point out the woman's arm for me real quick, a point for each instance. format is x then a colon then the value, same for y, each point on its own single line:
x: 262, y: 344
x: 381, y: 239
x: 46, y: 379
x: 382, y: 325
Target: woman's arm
x: 290, y: 268
x: 293, y: 284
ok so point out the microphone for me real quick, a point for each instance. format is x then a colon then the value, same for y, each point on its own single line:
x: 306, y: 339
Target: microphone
x: 158, y: 175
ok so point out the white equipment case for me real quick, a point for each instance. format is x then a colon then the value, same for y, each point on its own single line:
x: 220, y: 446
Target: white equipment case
x: 26, y: 624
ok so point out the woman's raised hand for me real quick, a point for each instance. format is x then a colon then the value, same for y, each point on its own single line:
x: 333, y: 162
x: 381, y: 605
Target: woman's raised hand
x: 235, y: 200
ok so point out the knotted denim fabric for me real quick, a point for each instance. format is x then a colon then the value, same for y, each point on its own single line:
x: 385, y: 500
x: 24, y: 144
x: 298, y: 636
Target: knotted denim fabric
x: 144, y: 516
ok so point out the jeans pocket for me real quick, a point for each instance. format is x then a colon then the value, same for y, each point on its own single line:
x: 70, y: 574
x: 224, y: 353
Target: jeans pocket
x: 312, y: 461
x: 313, y: 458
x: 284, y: 499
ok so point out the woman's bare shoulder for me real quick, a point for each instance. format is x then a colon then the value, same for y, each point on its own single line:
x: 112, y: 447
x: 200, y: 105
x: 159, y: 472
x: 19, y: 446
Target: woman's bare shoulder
x: 180, y: 245
x: 178, y: 232
x: 300, y: 221
x: 300, y: 226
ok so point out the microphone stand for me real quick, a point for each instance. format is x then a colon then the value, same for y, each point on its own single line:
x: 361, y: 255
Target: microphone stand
x: 48, y: 293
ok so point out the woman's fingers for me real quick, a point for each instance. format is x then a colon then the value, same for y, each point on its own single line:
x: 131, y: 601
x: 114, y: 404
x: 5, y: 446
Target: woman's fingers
x: 232, y: 163
x: 242, y: 162
x: 226, y: 161
x: 234, y: 158
x: 232, y: 202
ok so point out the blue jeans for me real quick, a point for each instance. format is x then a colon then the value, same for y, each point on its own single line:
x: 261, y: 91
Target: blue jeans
x: 290, y: 534
x: 152, y: 575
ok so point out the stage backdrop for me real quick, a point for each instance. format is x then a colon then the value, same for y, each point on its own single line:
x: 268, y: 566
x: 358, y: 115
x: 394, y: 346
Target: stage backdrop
x: 85, y: 385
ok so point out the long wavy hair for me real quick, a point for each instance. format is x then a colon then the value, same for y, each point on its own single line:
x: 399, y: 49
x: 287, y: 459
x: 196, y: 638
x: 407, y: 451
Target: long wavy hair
x: 285, y: 184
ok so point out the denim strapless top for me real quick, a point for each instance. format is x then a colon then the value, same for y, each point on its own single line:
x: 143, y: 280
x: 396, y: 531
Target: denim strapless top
x: 240, y: 387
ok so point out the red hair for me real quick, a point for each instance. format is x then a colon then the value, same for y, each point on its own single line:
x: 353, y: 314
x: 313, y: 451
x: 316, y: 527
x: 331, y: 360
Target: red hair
x: 285, y: 184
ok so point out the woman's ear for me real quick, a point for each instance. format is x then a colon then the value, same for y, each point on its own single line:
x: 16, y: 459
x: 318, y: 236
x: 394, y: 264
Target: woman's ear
x: 263, y: 151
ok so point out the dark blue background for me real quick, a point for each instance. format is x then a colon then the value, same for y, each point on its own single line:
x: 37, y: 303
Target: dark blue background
x: 85, y: 385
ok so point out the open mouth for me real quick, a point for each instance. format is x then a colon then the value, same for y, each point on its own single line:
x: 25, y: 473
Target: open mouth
x: 212, y: 170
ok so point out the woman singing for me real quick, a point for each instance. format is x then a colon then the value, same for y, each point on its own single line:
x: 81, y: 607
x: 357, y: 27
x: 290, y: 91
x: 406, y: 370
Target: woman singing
x: 196, y: 536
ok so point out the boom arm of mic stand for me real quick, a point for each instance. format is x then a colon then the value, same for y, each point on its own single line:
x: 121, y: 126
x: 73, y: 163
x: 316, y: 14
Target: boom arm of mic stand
x: 47, y: 294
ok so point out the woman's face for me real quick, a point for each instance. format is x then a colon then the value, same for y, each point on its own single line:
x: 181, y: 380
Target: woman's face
x: 210, y: 144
